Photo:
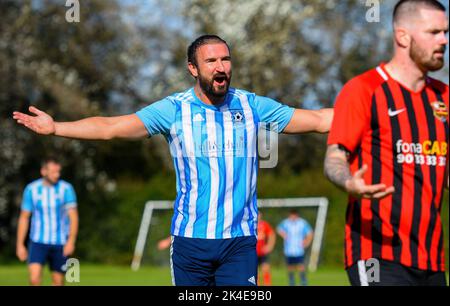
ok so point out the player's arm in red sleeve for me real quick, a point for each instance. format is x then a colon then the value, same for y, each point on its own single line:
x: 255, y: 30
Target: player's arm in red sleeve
x: 271, y: 239
x: 351, y: 119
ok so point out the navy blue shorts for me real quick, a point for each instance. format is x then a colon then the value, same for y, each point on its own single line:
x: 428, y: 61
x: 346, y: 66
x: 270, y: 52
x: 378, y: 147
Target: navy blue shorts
x: 41, y: 253
x: 214, y: 262
x: 295, y: 260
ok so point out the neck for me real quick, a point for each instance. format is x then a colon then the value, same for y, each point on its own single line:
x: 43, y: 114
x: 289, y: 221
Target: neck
x: 46, y: 182
x: 405, y: 71
x: 207, y: 99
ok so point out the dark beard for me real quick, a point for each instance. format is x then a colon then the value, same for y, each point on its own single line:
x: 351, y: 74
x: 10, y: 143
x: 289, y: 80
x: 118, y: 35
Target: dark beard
x: 208, y: 87
x: 419, y: 57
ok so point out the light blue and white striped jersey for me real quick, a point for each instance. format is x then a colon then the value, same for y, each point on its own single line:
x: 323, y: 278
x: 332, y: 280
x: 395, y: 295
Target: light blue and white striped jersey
x: 214, y: 149
x: 296, y: 231
x: 48, y: 206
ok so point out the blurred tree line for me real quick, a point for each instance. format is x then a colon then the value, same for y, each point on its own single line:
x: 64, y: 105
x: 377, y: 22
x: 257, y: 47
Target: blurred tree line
x: 124, y: 55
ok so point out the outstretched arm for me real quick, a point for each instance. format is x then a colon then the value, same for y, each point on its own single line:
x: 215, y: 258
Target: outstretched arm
x: 128, y: 126
x: 303, y: 121
x: 337, y: 170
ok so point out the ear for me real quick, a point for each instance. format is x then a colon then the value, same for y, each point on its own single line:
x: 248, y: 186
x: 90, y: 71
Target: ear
x: 402, y: 37
x: 193, y: 69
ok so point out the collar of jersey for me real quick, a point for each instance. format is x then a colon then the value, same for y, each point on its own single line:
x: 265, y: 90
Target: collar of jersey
x: 418, y: 92
x: 213, y: 107
x: 41, y: 181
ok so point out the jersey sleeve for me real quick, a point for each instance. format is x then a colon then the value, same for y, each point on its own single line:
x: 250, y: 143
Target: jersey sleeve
x: 70, y: 198
x: 158, y: 117
x: 351, y: 115
x: 271, y: 111
x: 27, y: 201
x: 269, y: 229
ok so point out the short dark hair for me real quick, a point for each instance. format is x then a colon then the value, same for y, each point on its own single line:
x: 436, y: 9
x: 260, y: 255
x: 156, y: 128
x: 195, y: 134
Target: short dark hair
x: 293, y: 212
x: 200, y: 41
x: 49, y: 159
x: 406, y: 5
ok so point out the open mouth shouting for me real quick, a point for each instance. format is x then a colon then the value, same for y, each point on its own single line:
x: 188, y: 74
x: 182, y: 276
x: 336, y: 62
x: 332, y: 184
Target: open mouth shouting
x: 220, y: 80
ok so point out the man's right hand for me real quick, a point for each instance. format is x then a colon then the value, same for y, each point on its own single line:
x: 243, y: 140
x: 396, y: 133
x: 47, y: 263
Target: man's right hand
x: 164, y: 244
x: 358, y: 188
x: 21, y: 252
x: 42, y: 123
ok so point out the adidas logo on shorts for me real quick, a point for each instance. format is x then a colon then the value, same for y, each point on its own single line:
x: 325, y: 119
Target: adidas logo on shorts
x: 252, y: 280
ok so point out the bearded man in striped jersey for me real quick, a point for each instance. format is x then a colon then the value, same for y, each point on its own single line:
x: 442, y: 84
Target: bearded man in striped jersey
x: 212, y: 131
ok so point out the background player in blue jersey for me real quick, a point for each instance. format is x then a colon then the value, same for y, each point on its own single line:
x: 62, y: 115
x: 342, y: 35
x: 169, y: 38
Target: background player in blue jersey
x: 297, y: 235
x: 212, y: 131
x: 51, y: 203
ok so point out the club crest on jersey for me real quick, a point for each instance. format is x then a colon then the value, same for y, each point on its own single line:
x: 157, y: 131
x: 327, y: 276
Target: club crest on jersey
x: 440, y: 110
x: 237, y: 116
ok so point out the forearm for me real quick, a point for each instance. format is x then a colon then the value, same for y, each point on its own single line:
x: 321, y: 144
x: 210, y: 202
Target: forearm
x: 304, y: 121
x: 89, y: 128
x: 22, y: 230
x: 103, y: 128
x: 336, y: 167
x: 271, y: 242
x: 326, y: 118
x: 73, y: 229
x: 73, y: 234
x: 127, y: 126
x: 282, y: 235
x: 308, y: 241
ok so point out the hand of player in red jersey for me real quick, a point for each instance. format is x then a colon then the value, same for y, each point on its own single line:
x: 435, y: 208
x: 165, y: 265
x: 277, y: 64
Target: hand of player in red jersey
x: 357, y: 187
x: 42, y: 123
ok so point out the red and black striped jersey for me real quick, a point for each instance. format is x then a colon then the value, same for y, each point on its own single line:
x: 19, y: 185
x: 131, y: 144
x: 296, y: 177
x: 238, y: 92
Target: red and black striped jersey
x: 402, y: 136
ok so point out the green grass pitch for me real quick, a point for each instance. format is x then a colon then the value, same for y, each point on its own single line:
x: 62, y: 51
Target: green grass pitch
x: 103, y: 275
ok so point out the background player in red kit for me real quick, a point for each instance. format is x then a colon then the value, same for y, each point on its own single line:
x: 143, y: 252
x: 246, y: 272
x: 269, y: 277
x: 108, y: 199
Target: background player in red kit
x: 264, y: 246
x: 388, y: 148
